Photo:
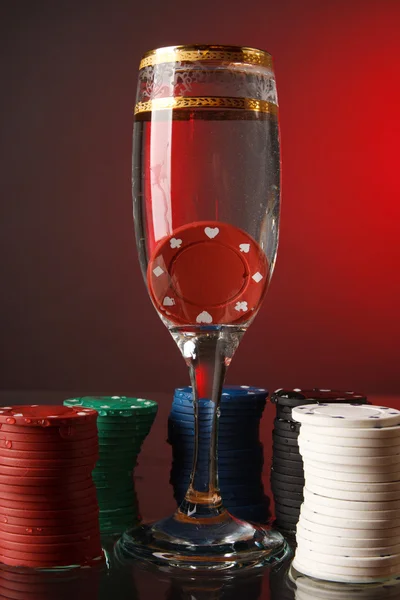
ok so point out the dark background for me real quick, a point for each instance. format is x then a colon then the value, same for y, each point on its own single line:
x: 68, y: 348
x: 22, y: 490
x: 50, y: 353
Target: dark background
x: 74, y: 310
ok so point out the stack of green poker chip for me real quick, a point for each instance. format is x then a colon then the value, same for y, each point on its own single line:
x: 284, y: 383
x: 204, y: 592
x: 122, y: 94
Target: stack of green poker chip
x: 123, y: 424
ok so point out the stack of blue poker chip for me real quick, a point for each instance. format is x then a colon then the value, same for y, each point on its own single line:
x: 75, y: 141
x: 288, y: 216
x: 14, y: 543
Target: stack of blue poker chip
x: 240, y: 453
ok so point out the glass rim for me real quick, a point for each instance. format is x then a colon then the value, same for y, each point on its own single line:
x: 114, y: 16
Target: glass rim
x: 204, y: 52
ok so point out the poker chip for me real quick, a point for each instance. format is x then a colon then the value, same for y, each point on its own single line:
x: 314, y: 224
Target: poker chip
x: 349, y: 533
x: 285, y: 441
x: 340, y: 574
x: 350, y: 451
x: 287, y: 458
x: 227, y: 285
x: 115, y: 405
x: 364, y: 444
x: 290, y: 479
x: 308, y: 588
x: 341, y: 543
x: 283, y: 489
x: 348, y: 522
x: 318, y: 572
x: 360, y: 505
x: 364, y: 476
x: 355, y: 557
x: 297, y: 397
x: 372, y: 432
x: 353, y: 495
x: 285, y: 520
x: 44, y: 416
x: 375, y: 515
x: 289, y: 427
x: 361, y: 488
x: 288, y: 501
x: 341, y: 467
x: 285, y: 437
x: 296, y: 471
x: 347, y: 415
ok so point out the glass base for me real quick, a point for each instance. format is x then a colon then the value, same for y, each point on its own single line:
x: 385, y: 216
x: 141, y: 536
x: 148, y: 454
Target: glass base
x: 221, y: 543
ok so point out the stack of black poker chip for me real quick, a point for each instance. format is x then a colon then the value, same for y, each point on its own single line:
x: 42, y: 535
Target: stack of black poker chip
x: 287, y: 475
x: 240, y: 453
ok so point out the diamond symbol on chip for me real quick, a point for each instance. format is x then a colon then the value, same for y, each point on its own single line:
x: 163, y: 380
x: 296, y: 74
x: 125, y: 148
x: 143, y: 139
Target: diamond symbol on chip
x: 257, y: 277
x: 158, y: 271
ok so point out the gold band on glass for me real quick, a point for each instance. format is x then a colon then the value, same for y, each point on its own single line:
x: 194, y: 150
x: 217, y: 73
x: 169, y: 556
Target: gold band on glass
x: 240, y: 54
x: 206, y: 102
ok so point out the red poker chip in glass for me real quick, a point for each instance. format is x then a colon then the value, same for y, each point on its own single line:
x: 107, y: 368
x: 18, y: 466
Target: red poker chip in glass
x: 35, y: 415
x: 208, y: 273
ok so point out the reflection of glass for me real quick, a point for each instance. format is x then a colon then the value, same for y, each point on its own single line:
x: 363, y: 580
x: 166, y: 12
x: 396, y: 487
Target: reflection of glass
x: 206, y: 191
x: 180, y: 585
x: 307, y: 588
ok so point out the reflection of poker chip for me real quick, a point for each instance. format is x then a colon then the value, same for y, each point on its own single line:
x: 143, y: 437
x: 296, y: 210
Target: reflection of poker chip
x: 297, y: 397
x: 207, y: 272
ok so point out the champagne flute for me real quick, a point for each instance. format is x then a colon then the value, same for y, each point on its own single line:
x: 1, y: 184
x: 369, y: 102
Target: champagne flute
x: 206, y: 193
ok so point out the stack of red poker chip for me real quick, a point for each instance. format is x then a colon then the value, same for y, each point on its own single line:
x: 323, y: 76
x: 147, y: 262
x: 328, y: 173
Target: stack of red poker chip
x: 48, y: 504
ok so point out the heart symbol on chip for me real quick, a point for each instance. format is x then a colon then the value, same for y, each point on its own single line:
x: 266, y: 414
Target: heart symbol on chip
x: 204, y: 317
x: 168, y: 301
x: 244, y: 248
x: 211, y: 232
x: 175, y: 243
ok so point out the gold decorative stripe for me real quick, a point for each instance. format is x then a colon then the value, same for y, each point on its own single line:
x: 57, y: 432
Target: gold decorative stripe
x: 206, y: 102
x: 239, y: 54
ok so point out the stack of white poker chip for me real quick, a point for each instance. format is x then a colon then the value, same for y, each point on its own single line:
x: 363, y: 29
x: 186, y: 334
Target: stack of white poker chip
x: 349, y: 526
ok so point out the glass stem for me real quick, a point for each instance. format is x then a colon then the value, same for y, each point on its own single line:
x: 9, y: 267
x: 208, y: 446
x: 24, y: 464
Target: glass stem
x: 208, y: 353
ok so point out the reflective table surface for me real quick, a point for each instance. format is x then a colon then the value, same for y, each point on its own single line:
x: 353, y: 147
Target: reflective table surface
x: 131, y: 580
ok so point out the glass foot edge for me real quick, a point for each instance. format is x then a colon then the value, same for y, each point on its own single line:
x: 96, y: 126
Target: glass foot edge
x: 270, y: 548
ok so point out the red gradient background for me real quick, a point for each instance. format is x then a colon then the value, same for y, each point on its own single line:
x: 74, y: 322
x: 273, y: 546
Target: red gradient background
x: 74, y: 310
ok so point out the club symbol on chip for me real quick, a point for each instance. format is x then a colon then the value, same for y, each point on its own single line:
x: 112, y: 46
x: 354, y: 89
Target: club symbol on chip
x: 211, y: 232
x: 175, y: 243
x: 241, y: 306
x: 204, y: 317
x: 244, y: 248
